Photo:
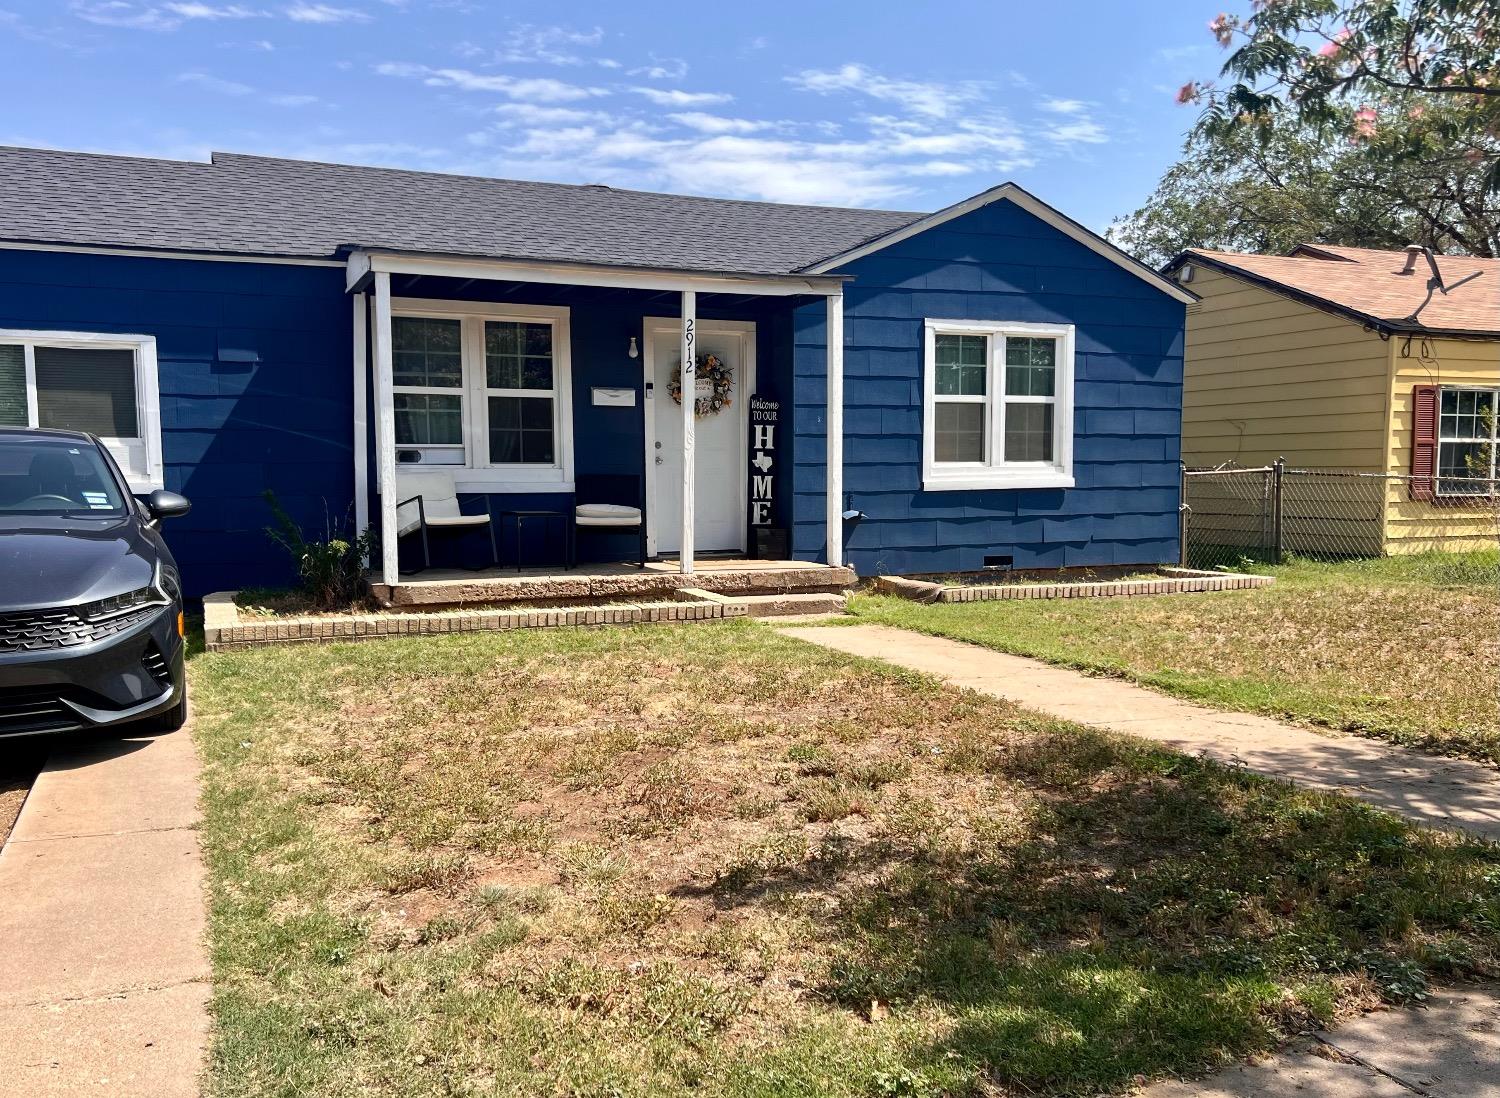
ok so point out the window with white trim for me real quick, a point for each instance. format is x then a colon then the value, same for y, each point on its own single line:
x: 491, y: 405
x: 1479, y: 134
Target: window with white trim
x: 484, y: 389
x: 1468, y: 441
x: 427, y: 372
x: 520, y: 392
x: 998, y: 405
x: 101, y: 383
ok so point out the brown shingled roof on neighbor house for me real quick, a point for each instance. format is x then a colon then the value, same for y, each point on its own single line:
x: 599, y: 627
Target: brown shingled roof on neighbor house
x: 1366, y: 284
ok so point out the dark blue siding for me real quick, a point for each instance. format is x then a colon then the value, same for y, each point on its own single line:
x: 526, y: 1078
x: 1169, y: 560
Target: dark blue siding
x: 230, y: 429
x: 998, y: 263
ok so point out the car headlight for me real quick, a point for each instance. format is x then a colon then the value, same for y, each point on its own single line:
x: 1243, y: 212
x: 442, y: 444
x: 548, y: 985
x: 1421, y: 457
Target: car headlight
x: 117, y: 605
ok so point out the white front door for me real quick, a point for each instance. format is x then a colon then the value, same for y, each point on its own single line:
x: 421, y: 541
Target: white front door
x: 719, y: 439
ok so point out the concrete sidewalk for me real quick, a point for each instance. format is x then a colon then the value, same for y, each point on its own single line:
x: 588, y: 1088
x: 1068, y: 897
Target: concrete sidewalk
x: 103, y: 966
x: 1439, y: 792
x: 1448, y: 1049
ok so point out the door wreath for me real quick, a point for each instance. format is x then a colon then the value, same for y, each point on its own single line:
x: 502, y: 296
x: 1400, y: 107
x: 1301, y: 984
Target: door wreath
x: 713, y: 369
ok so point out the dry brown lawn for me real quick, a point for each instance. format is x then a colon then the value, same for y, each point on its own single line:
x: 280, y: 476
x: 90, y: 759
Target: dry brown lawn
x: 712, y: 860
x: 1406, y: 649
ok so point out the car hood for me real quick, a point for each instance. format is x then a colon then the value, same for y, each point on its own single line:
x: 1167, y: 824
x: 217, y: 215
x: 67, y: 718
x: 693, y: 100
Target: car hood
x: 56, y: 563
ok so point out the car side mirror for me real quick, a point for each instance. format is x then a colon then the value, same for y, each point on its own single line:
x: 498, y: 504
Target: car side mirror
x: 164, y: 505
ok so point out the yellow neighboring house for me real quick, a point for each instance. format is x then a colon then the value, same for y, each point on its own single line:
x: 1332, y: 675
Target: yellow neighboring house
x: 1351, y: 358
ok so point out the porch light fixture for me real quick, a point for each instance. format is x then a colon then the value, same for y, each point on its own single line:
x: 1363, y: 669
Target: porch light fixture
x: 634, y: 351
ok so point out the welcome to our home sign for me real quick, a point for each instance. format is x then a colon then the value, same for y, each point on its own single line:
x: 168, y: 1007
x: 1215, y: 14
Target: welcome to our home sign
x: 765, y: 429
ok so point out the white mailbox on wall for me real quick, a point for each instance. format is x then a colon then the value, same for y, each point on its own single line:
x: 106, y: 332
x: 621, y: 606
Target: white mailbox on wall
x: 613, y: 398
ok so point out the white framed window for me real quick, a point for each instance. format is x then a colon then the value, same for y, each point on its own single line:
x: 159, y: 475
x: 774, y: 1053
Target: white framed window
x: 98, y: 382
x: 997, y: 405
x: 485, y: 390
x: 1468, y: 459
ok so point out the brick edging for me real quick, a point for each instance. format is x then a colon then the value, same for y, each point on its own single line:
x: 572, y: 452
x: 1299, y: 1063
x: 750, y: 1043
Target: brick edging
x: 1174, y: 581
x: 223, y: 627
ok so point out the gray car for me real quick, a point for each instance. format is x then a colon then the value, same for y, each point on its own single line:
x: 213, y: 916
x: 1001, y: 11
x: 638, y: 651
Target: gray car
x: 91, y: 629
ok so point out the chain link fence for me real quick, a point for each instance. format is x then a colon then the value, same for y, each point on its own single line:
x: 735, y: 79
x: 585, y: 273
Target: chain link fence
x: 1233, y: 517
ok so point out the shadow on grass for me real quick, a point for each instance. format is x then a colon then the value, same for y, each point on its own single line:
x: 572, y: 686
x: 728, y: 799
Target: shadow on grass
x: 1149, y: 914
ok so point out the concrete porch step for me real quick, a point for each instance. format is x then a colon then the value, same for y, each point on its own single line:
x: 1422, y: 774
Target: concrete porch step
x: 791, y: 604
x: 597, y: 583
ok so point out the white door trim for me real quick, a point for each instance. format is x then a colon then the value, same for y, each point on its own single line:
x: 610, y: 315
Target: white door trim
x: 669, y: 328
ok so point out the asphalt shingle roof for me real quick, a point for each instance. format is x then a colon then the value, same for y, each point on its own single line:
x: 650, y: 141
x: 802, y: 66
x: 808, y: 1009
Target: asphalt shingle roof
x: 1368, y: 282
x: 257, y: 205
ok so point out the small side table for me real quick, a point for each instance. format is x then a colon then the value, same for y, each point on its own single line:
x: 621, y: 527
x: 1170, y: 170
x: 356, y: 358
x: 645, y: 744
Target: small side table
x: 546, y: 518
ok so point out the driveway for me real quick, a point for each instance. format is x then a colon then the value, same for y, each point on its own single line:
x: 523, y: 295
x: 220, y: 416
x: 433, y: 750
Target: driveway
x: 103, y: 970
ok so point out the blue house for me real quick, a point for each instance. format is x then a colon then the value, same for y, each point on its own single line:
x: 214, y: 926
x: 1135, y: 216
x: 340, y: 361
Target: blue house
x: 988, y: 385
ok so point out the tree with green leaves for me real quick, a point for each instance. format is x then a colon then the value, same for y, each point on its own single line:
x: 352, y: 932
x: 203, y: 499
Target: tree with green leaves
x: 1250, y: 191
x: 1367, y: 122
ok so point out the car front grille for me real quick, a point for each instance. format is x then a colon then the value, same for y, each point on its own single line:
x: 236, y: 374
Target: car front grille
x: 43, y: 630
x: 35, y: 711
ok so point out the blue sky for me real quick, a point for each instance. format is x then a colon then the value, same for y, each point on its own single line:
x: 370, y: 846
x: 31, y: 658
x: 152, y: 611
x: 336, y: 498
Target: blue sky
x: 902, y: 105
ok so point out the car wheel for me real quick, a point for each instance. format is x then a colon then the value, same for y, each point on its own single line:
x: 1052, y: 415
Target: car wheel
x: 167, y: 721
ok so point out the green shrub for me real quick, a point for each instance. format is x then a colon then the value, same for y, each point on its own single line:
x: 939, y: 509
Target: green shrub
x: 331, y: 570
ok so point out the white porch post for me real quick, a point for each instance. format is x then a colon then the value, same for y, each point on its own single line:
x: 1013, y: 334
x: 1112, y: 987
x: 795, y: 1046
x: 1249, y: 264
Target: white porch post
x: 835, y: 429
x: 385, y: 428
x: 689, y: 424
x: 361, y: 415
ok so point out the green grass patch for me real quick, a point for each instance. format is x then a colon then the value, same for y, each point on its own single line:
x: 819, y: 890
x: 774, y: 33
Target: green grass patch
x: 712, y: 860
x: 1402, y: 648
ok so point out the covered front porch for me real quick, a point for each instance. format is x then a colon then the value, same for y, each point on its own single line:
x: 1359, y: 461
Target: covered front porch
x: 534, y: 388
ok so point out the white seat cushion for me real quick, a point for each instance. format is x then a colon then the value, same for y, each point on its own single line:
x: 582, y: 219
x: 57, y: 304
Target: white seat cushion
x: 607, y: 514
x: 458, y: 520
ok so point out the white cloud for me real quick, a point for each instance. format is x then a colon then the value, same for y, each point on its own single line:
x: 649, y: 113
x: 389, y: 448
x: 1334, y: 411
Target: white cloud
x: 881, y: 167
x: 930, y: 99
x: 662, y: 68
x: 173, y: 14
x: 531, y: 89
x: 324, y: 13
x: 675, y: 97
x: 532, y: 114
x: 1064, y: 106
x: 117, y: 13
x: 1084, y: 131
x: 212, y: 11
x: 548, y: 45
x: 713, y: 123
x: 218, y: 85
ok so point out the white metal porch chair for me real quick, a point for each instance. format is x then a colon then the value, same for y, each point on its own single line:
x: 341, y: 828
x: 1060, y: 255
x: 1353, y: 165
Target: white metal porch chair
x: 434, y: 505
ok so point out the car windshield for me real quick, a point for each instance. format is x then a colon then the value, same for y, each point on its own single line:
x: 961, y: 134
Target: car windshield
x: 56, y: 476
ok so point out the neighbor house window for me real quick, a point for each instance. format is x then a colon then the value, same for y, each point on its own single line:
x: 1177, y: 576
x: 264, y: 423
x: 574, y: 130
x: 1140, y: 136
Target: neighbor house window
x: 998, y: 407
x: 483, y: 389
x: 101, y: 383
x: 1468, y: 440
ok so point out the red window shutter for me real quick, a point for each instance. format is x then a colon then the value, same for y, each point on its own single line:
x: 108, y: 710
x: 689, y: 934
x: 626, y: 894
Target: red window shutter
x: 1424, y: 440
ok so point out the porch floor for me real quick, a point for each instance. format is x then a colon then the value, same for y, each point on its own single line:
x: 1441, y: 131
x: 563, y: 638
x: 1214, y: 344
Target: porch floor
x: 616, y: 580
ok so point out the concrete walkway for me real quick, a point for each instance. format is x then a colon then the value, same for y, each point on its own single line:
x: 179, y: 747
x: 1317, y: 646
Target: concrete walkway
x: 1447, y: 1049
x: 1439, y: 792
x: 103, y: 968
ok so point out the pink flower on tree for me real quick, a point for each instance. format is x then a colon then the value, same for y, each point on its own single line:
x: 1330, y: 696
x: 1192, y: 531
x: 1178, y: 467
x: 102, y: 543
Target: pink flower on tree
x: 1335, y: 47
x: 1188, y: 93
x: 1364, y: 122
x: 1222, y: 27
